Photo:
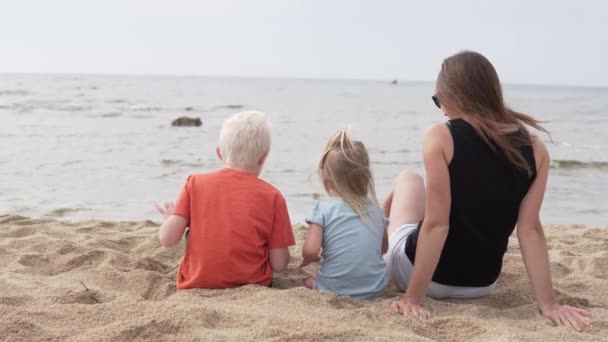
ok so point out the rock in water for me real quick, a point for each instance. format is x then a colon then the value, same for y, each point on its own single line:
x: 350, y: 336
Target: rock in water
x: 186, y: 121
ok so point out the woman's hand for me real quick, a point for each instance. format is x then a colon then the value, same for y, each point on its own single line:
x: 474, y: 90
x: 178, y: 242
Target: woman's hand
x: 577, y: 319
x: 166, y: 209
x: 408, y: 308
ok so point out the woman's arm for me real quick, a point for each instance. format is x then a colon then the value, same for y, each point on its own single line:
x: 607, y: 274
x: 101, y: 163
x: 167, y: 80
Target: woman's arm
x: 534, y: 249
x: 438, y: 150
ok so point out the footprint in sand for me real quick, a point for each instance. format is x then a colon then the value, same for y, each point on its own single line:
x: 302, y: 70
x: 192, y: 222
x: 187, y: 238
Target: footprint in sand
x: 456, y: 329
x: 15, y: 301
x: 18, y: 232
x: 85, y: 296
x: 560, y: 270
x: 52, y: 265
x: 159, y: 287
x: 344, y: 303
x: 150, y: 264
x: 151, y: 331
x: 600, y: 267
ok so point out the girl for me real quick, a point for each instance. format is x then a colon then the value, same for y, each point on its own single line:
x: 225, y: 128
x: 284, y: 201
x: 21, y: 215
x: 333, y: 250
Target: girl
x: 349, y: 226
x: 485, y: 173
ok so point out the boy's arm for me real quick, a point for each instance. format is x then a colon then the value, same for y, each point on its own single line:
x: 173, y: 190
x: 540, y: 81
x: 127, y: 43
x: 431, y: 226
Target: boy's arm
x: 177, y: 217
x: 173, y: 227
x: 279, y: 259
x: 312, y: 244
x: 281, y: 237
x: 172, y: 230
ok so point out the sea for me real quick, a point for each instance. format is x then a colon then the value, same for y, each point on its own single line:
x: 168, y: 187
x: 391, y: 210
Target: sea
x: 79, y: 147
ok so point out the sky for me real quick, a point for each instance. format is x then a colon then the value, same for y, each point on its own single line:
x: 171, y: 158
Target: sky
x: 529, y: 42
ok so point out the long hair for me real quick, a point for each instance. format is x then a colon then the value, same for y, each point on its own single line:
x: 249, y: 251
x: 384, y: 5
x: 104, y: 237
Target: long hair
x: 469, y: 83
x: 345, y: 171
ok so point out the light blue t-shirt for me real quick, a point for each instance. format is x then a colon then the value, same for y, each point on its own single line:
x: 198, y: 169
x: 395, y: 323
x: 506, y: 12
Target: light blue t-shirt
x: 352, y: 263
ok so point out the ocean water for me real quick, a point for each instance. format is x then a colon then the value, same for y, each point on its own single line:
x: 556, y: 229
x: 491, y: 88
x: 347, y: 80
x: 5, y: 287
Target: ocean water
x: 103, y: 147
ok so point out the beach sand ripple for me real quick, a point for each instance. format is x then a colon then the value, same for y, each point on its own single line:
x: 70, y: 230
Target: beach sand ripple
x: 111, y: 281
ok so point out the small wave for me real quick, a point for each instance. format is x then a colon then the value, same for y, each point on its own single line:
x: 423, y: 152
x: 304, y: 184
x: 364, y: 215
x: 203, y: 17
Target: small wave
x: 72, y: 162
x: 398, y: 151
x: 575, y: 164
x: 61, y: 212
x: 377, y: 162
x: 142, y: 108
x: 19, y: 92
x: 46, y: 103
x: 22, y: 107
x: 194, y: 164
x: 142, y: 116
x: 314, y: 195
x: 72, y: 108
x: 105, y: 115
x: 590, y: 211
x: 230, y: 106
x: 170, y: 161
x: 117, y: 101
x: 54, y: 105
x: 168, y: 174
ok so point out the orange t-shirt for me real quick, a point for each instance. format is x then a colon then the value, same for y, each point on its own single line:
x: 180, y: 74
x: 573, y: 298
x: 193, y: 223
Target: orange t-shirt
x: 234, y: 219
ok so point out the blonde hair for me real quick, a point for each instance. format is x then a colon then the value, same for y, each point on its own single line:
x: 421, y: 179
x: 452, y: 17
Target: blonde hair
x: 345, y: 172
x: 469, y: 82
x: 244, y: 139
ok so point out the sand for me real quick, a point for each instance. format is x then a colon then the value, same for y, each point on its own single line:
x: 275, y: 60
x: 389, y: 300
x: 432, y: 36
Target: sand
x: 111, y: 281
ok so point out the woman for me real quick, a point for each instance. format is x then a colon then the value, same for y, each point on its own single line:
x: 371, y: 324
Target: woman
x: 485, y: 174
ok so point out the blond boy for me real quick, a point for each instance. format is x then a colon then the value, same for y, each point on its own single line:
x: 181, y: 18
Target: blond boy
x: 239, y: 225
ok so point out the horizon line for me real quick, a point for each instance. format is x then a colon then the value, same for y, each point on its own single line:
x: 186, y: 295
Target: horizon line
x: 302, y: 78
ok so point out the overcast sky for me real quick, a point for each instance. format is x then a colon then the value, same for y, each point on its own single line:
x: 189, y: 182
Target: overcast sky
x: 536, y: 41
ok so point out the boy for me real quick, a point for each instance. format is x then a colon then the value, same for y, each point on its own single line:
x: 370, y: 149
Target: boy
x: 239, y: 224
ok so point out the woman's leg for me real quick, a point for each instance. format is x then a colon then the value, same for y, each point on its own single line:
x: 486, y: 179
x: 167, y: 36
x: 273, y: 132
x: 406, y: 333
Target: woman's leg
x: 405, y: 204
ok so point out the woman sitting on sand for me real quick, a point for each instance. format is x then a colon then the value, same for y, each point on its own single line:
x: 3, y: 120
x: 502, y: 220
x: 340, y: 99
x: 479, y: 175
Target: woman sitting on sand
x: 485, y: 174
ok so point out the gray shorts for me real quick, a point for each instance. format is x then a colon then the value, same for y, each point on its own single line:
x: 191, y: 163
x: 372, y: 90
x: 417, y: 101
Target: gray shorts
x: 400, y: 269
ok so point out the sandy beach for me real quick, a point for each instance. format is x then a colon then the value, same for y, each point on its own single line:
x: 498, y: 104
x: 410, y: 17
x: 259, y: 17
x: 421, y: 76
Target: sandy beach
x: 111, y: 281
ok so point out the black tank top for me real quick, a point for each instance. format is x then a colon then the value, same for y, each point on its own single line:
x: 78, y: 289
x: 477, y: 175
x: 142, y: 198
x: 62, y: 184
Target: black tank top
x: 487, y: 190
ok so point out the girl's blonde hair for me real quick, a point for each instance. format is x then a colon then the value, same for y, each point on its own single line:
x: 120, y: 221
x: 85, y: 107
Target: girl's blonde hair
x: 345, y: 171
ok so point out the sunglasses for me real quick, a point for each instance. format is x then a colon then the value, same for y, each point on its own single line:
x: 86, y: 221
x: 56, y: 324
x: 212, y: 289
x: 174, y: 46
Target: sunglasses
x: 436, y: 101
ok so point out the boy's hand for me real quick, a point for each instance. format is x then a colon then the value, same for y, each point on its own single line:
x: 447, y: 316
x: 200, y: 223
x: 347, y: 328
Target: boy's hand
x: 166, y: 209
x: 308, y: 262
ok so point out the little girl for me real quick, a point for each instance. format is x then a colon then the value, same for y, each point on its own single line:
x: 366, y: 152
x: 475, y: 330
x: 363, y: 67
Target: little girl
x: 349, y: 226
